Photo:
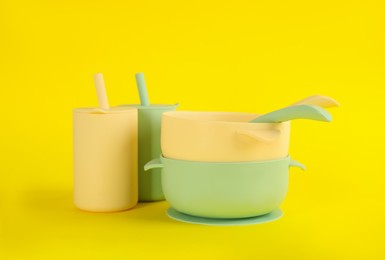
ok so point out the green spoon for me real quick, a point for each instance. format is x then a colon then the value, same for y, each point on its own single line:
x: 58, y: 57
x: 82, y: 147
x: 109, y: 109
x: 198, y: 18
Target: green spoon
x: 294, y: 112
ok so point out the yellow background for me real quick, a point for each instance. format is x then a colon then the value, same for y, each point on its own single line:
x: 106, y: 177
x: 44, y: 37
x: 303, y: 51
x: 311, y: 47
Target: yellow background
x: 250, y: 56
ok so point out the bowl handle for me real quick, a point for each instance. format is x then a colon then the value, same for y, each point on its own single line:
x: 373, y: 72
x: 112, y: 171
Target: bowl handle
x: 155, y: 163
x: 294, y: 163
x: 264, y: 136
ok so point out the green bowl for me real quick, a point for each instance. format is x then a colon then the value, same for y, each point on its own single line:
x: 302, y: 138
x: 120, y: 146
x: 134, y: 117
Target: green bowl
x: 224, y: 189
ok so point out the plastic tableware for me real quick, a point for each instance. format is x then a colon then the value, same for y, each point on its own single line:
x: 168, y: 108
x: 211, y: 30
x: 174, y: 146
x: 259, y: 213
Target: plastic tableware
x: 294, y: 112
x: 224, y: 190
x: 272, y: 216
x: 105, y: 159
x: 149, y: 126
x: 222, y: 137
x: 105, y: 155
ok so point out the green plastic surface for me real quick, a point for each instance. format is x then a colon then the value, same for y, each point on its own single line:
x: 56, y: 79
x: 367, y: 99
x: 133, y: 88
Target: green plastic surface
x: 149, y: 125
x: 295, y: 112
x: 142, y: 89
x: 224, y: 190
x: 272, y: 216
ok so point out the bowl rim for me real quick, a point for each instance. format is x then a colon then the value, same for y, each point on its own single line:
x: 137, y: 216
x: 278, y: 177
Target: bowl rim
x: 286, y: 158
x: 179, y: 116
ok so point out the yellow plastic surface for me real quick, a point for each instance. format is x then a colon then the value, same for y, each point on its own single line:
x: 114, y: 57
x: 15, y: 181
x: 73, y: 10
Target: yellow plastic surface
x: 105, y: 159
x: 242, y: 56
x: 222, y: 137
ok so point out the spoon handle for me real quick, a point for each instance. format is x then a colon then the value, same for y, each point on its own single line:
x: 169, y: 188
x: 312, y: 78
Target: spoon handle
x: 295, y: 112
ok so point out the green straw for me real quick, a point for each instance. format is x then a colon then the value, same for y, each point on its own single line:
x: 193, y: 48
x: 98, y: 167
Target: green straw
x: 141, y: 84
